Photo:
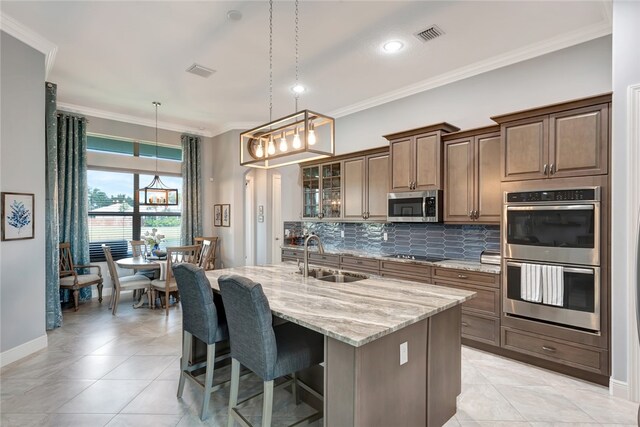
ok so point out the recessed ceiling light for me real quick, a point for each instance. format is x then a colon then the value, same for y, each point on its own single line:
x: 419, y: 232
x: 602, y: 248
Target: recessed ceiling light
x: 234, y: 15
x: 298, y: 89
x: 392, y: 46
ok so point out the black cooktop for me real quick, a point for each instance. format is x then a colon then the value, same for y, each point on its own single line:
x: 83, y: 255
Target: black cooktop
x: 416, y: 257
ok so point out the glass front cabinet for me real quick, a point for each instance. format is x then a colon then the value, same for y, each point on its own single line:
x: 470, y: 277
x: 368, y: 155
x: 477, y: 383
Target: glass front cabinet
x: 322, y: 191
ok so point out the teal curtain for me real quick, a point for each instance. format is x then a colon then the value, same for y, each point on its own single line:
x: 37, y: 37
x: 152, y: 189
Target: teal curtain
x: 73, y: 206
x: 52, y: 278
x: 191, y: 190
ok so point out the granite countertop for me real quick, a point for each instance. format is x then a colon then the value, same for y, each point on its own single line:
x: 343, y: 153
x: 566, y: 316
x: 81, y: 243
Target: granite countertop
x: 355, y: 313
x: 459, y: 264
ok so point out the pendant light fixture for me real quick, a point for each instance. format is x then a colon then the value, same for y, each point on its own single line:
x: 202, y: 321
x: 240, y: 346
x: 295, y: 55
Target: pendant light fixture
x: 157, y: 193
x: 313, y: 134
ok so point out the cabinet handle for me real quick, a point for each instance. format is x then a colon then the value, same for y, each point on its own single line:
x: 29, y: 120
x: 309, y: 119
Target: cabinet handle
x: 551, y: 169
x: 358, y: 262
x: 477, y: 214
x: 548, y: 349
x: 545, y: 168
x: 471, y: 214
x: 465, y: 324
x: 367, y: 215
x: 462, y: 276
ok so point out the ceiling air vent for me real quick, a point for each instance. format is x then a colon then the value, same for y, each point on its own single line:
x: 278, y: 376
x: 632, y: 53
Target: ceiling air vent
x: 200, y: 70
x: 429, y: 34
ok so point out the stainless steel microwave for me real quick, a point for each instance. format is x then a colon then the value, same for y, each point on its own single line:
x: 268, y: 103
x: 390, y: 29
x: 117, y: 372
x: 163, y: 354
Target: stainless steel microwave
x: 415, y: 206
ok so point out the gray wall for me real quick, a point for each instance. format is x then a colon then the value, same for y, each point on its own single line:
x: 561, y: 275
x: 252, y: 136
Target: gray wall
x: 22, y: 157
x: 626, y: 72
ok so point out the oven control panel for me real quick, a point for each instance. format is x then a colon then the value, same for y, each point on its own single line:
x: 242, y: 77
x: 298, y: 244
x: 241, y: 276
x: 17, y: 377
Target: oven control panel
x: 569, y: 195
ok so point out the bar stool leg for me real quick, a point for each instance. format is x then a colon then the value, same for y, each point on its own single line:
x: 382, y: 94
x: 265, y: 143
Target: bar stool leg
x: 233, y: 393
x: 294, y: 389
x: 267, y: 403
x: 187, y: 340
x: 208, y: 380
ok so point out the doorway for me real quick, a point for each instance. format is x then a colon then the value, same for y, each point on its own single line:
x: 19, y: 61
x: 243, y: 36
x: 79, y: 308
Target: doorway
x: 249, y: 226
x: 276, y: 219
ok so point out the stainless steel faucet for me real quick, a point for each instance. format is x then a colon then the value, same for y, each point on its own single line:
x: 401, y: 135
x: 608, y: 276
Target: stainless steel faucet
x: 305, y: 272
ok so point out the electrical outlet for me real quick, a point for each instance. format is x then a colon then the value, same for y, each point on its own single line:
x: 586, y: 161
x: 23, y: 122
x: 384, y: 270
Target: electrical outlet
x: 384, y: 236
x: 404, y: 353
x: 342, y: 233
x: 305, y: 231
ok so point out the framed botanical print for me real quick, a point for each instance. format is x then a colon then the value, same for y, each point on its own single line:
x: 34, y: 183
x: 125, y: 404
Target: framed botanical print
x: 17, y: 216
x: 226, y: 215
x: 217, y: 215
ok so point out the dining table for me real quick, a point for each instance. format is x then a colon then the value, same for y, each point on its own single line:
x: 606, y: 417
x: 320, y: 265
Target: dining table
x: 144, y: 263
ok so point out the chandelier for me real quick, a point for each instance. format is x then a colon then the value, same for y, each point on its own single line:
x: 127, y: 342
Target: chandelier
x: 157, y: 193
x: 302, y: 136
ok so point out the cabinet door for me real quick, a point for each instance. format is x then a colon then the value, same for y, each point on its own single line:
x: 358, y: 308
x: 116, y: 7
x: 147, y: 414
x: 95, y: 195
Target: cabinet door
x: 579, y: 141
x: 525, y: 149
x: 377, y: 185
x: 402, y: 162
x: 354, y: 188
x: 428, y: 160
x: 458, y: 180
x: 489, y: 197
x: 310, y: 191
x: 331, y: 190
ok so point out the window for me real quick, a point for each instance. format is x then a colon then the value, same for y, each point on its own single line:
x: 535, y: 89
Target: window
x: 115, y: 217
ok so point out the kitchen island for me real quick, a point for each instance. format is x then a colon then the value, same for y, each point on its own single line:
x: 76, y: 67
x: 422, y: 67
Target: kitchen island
x: 392, y: 347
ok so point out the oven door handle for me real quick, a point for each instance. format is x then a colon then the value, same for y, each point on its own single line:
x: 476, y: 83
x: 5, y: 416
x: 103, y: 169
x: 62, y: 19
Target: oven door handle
x: 555, y: 207
x: 567, y: 269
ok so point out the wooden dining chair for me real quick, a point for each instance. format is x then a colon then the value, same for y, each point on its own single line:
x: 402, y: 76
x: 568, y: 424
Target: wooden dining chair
x: 175, y: 255
x: 74, y: 281
x: 138, y: 247
x: 134, y: 282
x: 210, y: 260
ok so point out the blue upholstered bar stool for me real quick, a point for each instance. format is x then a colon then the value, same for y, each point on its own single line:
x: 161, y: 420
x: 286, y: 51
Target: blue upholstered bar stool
x: 200, y: 318
x: 270, y: 352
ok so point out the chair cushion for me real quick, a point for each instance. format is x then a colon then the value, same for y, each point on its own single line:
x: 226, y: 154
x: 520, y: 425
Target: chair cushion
x: 161, y: 285
x: 83, y: 279
x: 298, y: 348
x: 136, y: 281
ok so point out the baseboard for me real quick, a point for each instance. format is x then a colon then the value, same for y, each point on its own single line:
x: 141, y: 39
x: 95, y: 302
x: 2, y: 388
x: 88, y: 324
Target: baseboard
x: 619, y: 389
x: 23, y: 350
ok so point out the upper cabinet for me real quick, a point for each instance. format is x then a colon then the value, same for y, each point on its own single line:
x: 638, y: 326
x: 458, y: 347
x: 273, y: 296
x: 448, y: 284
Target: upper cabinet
x: 472, y: 176
x: 416, y: 158
x: 322, y: 191
x: 366, y: 181
x: 562, y: 140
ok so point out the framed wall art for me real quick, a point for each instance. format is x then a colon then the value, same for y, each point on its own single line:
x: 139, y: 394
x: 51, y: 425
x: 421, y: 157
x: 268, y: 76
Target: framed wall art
x: 226, y: 215
x: 17, y: 216
x: 217, y: 215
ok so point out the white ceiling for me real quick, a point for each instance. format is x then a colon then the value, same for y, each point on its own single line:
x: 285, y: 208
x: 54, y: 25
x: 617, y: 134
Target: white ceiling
x: 114, y: 58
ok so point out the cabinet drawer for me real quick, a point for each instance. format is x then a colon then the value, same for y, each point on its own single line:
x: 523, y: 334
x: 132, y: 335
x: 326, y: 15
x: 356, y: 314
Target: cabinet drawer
x: 481, y: 328
x: 486, y: 301
x: 471, y: 277
x: 581, y: 357
x: 292, y: 254
x: 359, y: 263
x: 325, y: 259
x: 405, y: 269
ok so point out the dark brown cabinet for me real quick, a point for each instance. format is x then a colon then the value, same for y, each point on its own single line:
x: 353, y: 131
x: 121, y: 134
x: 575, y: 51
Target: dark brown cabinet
x: 558, y: 141
x: 366, y: 182
x: 416, y: 158
x: 472, y: 176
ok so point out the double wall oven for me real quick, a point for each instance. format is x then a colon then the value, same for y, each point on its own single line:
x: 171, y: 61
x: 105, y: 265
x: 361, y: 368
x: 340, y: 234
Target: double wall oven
x: 559, y: 227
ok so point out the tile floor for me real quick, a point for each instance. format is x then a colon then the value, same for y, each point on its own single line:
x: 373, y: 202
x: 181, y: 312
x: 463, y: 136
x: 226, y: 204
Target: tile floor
x: 122, y: 371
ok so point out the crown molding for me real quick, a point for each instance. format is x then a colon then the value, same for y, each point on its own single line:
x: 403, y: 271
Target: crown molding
x: 126, y: 118
x: 235, y: 126
x: 572, y: 38
x: 29, y: 37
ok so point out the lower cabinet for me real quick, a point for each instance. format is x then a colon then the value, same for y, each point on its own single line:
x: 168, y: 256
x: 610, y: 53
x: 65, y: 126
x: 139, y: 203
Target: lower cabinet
x: 481, y: 328
x: 361, y: 264
x: 325, y: 260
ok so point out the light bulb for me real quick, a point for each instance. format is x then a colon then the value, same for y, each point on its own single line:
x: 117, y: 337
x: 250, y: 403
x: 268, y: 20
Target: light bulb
x: 271, y: 148
x: 283, y: 143
x: 259, y: 150
x: 311, y: 135
x: 296, y: 140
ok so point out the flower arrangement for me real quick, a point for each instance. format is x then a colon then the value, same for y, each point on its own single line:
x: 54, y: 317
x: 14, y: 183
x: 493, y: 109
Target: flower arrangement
x: 153, y: 239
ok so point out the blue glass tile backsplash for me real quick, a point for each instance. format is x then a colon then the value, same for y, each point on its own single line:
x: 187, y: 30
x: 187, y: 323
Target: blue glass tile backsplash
x: 441, y: 240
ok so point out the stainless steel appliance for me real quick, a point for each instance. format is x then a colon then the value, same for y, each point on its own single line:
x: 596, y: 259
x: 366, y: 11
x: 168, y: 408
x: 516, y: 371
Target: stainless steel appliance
x: 415, y: 206
x: 560, y: 226
x: 581, y: 308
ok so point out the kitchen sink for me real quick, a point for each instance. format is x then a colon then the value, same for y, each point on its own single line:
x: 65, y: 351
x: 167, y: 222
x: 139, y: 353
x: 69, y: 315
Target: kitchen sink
x: 334, y: 276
